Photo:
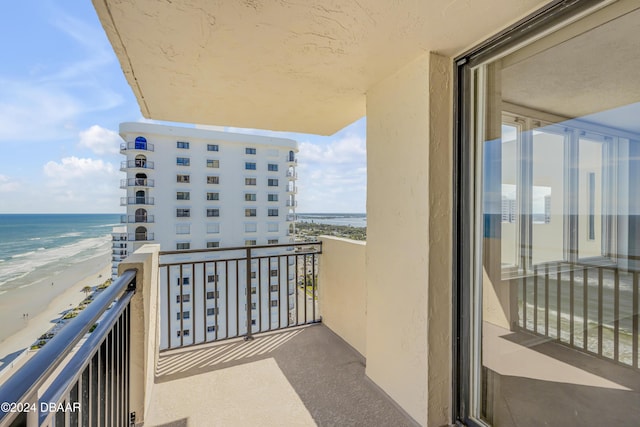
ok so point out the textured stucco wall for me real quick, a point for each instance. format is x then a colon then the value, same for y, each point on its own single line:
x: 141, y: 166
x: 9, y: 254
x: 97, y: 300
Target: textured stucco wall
x: 397, y: 236
x: 408, y: 255
x: 343, y: 293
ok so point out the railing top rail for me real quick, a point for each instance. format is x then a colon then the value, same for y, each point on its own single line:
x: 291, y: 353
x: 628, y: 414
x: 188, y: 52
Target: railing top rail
x: 239, y: 248
x: 26, y: 381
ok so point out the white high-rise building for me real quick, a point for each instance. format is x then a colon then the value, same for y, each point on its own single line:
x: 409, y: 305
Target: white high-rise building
x: 190, y: 188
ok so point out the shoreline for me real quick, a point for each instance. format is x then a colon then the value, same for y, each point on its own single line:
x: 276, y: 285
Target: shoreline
x: 45, y: 304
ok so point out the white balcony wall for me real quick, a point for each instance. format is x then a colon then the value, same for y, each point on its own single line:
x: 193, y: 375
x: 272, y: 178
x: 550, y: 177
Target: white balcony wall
x: 343, y: 291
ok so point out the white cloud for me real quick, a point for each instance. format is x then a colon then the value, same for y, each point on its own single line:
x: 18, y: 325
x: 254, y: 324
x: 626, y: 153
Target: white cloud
x: 7, y: 184
x: 333, y: 176
x: 82, y: 185
x: 100, y: 140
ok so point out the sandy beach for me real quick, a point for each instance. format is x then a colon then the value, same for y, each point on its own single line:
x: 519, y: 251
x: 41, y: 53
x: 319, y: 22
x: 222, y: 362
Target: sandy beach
x: 45, y: 304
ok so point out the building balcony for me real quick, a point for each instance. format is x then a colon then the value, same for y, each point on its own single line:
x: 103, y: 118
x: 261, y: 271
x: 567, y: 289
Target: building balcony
x: 132, y: 219
x: 136, y: 164
x: 292, y: 203
x: 135, y: 146
x: 137, y: 182
x: 291, y: 217
x: 127, y: 201
x: 292, y: 175
x: 119, y: 237
x: 141, y: 237
x: 292, y: 190
x: 291, y: 160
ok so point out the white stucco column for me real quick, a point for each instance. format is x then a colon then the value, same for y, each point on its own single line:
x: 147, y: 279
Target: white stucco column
x: 408, y: 252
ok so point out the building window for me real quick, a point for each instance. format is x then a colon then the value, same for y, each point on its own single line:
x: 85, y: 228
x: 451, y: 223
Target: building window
x: 183, y: 228
x: 183, y: 161
x: 250, y: 197
x: 185, y: 298
x: 273, y: 227
x: 182, y: 178
x: 183, y: 246
x: 212, y: 294
x: 250, y: 227
x: 183, y: 195
x: 254, y: 290
x: 213, y: 228
x: 213, y: 163
x: 249, y: 181
x: 212, y: 311
x: 213, y: 196
x: 250, y: 212
x: 274, y: 303
x: 185, y: 333
x: 274, y: 288
x: 253, y: 274
x: 183, y: 213
x: 272, y: 212
x: 272, y: 167
x: 250, y: 243
x: 250, y: 166
x: 212, y: 147
x: 212, y: 278
x: 272, y: 241
x: 250, y: 151
x: 272, y: 182
x: 185, y: 315
x: 213, y: 180
x: 272, y: 197
x: 182, y: 144
x: 211, y: 328
x: 273, y: 272
x: 185, y: 281
x: 211, y: 245
x: 213, y: 212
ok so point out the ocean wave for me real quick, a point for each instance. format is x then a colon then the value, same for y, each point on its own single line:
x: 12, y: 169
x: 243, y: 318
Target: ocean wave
x: 24, y: 254
x: 21, y: 265
x: 106, y: 225
x: 71, y: 234
x: 35, y: 238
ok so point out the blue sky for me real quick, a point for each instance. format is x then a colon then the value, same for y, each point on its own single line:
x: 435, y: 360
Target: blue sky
x: 62, y: 96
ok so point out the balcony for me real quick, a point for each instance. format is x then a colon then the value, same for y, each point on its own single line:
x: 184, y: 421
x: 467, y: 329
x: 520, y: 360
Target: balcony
x: 135, y: 146
x: 292, y: 190
x: 127, y: 201
x: 291, y: 217
x: 292, y: 175
x: 136, y: 164
x: 136, y: 182
x: 141, y: 237
x: 291, y: 160
x: 292, y: 203
x: 134, y: 219
x: 300, y: 372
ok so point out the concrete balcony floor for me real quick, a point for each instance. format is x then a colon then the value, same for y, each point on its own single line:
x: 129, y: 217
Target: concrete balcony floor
x: 297, y: 377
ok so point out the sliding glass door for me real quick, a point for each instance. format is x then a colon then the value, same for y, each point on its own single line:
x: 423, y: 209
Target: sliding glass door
x: 549, y: 222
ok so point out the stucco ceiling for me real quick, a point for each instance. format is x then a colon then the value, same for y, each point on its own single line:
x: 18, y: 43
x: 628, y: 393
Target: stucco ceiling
x: 301, y: 66
x: 593, y: 75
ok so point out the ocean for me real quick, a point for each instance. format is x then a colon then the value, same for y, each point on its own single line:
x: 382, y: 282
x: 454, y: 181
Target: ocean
x: 34, y: 245
x: 354, y: 220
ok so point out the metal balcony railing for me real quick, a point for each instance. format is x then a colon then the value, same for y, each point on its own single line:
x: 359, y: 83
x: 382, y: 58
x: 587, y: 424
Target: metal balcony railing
x: 124, y: 201
x: 292, y: 190
x: 136, y: 146
x: 236, y: 292
x: 292, y: 203
x: 293, y: 175
x: 291, y: 217
x: 137, y: 182
x: 141, y: 237
x: 293, y: 160
x: 93, y: 383
x: 130, y: 219
x: 591, y: 308
x: 139, y: 164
